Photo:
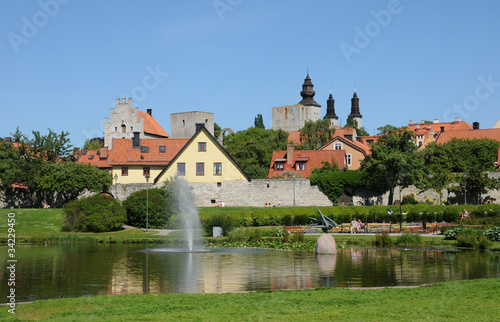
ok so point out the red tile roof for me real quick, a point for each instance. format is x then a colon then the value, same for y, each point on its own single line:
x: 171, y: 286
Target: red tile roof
x: 99, y: 158
x: 151, y: 126
x: 468, y: 134
x: 313, y: 159
x: 125, y: 154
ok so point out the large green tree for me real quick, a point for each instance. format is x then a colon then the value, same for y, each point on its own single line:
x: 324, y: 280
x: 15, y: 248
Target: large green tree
x: 360, y: 131
x: 43, y: 163
x: 393, y: 161
x: 315, y: 134
x: 253, y: 149
x: 461, y: 165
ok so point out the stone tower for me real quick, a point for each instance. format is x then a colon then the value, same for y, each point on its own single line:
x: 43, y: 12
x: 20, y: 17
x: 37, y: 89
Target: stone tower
x: 355, y: 114
x: 294, y: 117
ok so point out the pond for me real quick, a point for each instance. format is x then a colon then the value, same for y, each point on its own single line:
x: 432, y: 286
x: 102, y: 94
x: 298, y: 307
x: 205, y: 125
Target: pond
x: 44, y: 272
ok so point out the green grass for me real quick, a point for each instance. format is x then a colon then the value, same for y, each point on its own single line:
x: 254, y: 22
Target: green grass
x: 470, y: 300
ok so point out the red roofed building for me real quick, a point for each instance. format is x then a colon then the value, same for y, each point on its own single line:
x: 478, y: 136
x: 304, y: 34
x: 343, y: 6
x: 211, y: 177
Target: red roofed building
x: 99, y: 158
x: 124, y: 121
x: 468, y: 134
x: 134, y: 159
x: 428, y: 132
x: 302, y: 162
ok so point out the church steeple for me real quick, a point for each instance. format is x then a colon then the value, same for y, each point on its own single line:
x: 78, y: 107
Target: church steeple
x: 308, y: 93
x: 330, y: 110
x: 355, y: 114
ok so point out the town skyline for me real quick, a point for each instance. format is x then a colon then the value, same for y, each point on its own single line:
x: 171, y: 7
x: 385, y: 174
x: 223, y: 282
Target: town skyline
x: 66, y: 62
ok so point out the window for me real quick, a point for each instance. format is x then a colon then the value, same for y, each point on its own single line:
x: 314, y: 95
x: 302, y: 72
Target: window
x: 349, y: 159
x: 145, y: 172
x: 337, y: 146
x: 420, y: 143
x: 131, y: 128
x: 200, y: 169
x: 91, y: 157
x: 124, y: 128
x: 181, y: 169
x: 116, y: 129
x: 163, y: 149
x: 217, y: 168
x: 84, y: 153
x: 202, y: 146
x: 124, y: 171
x: 144, y: 149
x: 301, y: 166
x: 280, y: 165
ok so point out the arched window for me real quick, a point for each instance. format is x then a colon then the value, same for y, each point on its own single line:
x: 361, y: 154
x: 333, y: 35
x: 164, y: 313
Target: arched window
x: 124, y: 128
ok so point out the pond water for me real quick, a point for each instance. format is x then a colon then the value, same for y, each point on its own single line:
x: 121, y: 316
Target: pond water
x: 90, y: 270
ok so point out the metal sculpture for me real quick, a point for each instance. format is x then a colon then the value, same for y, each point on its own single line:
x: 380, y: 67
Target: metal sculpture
x: 324, y: 222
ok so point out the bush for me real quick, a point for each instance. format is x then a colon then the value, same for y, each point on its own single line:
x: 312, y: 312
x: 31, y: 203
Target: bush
x: 225, y: 221
x: 239, y: 235
x: 467, y: 240
x: 493, y: 234
x: 406, y: 240
x: 297, y: 237
x: 383, y: 239
x: 97, y: 214
x: 409, y: 200
x: 160, y: 208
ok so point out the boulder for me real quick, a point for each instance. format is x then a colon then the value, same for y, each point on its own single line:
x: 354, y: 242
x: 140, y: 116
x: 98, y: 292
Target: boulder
x: 326, y: 245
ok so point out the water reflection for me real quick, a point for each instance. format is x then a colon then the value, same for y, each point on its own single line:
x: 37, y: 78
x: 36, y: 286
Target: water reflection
x: 88, y: 270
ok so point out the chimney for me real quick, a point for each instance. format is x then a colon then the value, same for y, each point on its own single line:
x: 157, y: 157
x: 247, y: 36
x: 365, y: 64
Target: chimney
x: 411, y: 122
x: 289, y: 153
x: 442, y: 129
x: 457, y: 119
x: 8, y: 139
x: 149, y: 111
x: 199, y: 126
x: 136, y: 141
x: 475, y: 126
x: 422, y: 121
x: 436, y: 121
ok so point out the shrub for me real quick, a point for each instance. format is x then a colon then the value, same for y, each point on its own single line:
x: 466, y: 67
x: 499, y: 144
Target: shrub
x: 409, y: 240
x: 239, y: 235
x: 493, y: 234
x: 255, y: 234
x: 409, y: 200
x: 159, y: 210
x: 225, y: 221
x: 467, y: 240
x: 383, y: 239
x: 98, y: 213
x: 298, y: 237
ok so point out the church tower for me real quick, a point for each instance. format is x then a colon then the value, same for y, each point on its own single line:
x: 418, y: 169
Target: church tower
x: 355, y: 114
x: 308, y: 93
x: 330, y: 110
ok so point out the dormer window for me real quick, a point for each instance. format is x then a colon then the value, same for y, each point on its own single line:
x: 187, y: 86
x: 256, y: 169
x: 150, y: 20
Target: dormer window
x: 300, y: 166
x: 280, y: 166
x: 163, y: 149
x: 91, y: 157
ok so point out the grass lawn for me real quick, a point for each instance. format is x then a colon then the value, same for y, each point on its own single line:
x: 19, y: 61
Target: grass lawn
x: 471, y: 300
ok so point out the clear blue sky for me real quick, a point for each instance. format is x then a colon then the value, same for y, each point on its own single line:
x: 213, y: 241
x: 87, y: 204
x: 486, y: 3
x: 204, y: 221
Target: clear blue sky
x: 64, y: 65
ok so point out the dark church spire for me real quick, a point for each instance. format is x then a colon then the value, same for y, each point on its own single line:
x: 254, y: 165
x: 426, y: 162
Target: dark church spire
x: 355, y: 106
x: 308, y: 93
x: 330, y: 108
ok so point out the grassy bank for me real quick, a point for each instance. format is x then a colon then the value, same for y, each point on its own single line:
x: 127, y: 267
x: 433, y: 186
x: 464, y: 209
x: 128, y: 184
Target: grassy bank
x: 471, y: 300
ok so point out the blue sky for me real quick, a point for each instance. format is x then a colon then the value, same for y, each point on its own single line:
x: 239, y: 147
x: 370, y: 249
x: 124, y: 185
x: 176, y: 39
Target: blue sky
x: 65, y: 62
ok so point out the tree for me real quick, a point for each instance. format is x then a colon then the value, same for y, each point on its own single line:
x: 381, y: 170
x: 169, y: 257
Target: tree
x: 361, y: 131
x: 93, y: 144
x: 315, y: 134
x: 253, y: 149
x: 259, y: 122
x: 394, y: 160
x: 447, y: 164
x: 386, y: 129
x: 217, y: 130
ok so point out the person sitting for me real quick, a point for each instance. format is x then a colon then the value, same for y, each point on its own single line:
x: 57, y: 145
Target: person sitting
x: 359, y: 225
x: 354, y: 225
x: 465, y: 214
x: 46, y: 205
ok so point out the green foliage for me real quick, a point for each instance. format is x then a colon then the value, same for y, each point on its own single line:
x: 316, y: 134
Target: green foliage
x: 315, y: 134
x: 394, y: 160
x: 99, y: 213
x: 160, y: 208
x: 259, y: 122
x: 409, y: 240
x: 93, y: 144
x: 409, y: 200
x: 383, y: 239
x: 383, y: 130
x: 493, y: 234
x: 253, y: 149
x: 333, y: 183
x: 360, y: 131
x: 217, y: 130
x: 223, y: 220
x: 297, y: 237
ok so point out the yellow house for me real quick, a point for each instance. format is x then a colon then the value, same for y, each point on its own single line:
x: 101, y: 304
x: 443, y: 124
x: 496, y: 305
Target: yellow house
x: 203, y: 160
